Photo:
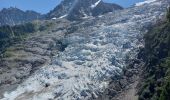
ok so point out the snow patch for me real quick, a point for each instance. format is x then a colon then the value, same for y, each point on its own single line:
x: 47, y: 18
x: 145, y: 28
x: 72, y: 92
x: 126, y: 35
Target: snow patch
x: 145, y: 2
x: 63, y: 16
x: 94, y: 5
x: 54, y: 18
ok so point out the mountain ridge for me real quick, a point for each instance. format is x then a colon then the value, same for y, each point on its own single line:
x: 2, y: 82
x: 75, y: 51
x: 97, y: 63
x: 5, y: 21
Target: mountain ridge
x: 14, y: 16
x: 69, y: 9
x: 78, y: 9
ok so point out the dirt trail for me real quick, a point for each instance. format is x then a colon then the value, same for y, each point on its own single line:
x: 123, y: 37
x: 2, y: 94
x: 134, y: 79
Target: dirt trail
x: 129, y: 94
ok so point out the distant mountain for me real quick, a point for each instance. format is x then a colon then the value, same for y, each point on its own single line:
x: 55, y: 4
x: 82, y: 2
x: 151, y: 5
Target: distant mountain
x: 78, y: 9
x: 13, y: 16
x: 71, y: 9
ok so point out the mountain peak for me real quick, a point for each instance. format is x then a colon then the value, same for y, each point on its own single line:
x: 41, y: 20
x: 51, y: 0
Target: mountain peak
x: 78, y: 9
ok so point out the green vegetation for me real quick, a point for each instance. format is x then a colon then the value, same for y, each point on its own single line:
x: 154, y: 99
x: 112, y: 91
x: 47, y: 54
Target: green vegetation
x: 9, y: 52
x: 168, y: 14
x: 12, y: 34
x: 165, y: 94
x: 156, y: 84
x: 16, y: 31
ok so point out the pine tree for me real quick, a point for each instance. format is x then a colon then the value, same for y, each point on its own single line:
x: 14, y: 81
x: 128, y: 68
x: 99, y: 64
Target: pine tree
x: 168, y: 14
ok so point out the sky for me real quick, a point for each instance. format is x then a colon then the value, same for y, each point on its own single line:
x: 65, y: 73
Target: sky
x: 44, y: 6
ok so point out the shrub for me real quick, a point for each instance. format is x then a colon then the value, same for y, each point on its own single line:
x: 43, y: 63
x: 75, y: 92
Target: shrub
x: 168, y: 14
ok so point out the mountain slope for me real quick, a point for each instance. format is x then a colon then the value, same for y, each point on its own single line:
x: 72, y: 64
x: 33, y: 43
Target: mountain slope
x: 78, y: 9
x: 156, y: 84
x: 14, y: 16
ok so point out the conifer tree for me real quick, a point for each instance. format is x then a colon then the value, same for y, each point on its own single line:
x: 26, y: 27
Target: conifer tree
x: 168, y: 14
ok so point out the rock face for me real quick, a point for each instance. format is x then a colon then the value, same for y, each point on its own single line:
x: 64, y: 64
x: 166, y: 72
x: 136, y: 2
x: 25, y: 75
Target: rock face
x: 62, y: 9
x: 13, y: 16
x: 77, y: 9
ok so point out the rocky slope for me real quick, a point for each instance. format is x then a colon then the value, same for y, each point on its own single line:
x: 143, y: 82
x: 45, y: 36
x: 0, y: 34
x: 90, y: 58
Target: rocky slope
x: 78, y: 9
x: 79, y: 60
x: 14, y: 16
x: 22, y: 58
x: 155, y: 76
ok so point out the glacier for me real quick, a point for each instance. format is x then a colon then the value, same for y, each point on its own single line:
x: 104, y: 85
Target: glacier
x: 92, y: 56
x: 145, y: 2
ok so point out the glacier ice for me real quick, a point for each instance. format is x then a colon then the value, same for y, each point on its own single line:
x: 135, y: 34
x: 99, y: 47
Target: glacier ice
x: 145, y: 2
